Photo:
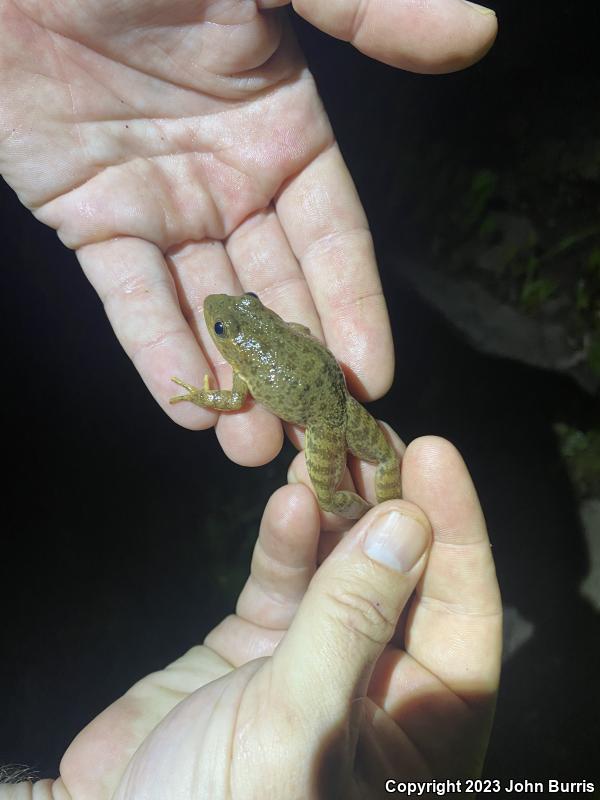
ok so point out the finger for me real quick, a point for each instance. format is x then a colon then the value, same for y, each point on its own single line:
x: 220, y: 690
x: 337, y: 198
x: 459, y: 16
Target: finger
x: 436, y: 36
x: 455, y: 630
x: 140, y: 299
x: 238, y: 641
x: 284, y: 559
x: 251, y: 436
x: 200, y: 269
x: 265, y: 264
x: 282, y: 566
x: 326, y: 226
x: 351, y: 609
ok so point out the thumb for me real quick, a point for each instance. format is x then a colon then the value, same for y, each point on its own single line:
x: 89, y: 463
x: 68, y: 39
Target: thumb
x: 433, y: 36
x: 351, y: 610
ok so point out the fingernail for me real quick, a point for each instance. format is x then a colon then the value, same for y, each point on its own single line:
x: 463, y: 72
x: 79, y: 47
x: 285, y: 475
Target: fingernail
x: 396, y: 540
x: 291, y: 476
x: 482, y: 9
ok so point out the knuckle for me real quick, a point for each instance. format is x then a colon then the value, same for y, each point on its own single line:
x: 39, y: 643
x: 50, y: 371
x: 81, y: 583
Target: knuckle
x: 135, y: 287
x: 363, y: 615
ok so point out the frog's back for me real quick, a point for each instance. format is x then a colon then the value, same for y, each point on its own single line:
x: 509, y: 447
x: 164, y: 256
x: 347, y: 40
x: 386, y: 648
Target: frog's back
x: 299, y: 379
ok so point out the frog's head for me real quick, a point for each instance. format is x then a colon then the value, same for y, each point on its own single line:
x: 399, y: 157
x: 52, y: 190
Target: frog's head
x: 239, y: 326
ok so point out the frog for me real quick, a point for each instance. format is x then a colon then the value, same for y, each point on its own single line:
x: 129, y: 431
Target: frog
x: 296, y: 377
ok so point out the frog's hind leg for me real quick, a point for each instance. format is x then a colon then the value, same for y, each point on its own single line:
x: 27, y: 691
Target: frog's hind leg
x: 326, y: 461
x: 366, y: 440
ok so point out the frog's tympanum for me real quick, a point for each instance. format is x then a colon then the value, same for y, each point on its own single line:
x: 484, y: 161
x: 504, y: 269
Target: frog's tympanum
x: 292, y: 374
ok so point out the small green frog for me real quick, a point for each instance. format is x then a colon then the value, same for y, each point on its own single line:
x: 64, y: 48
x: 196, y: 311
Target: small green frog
x: 292, y: 374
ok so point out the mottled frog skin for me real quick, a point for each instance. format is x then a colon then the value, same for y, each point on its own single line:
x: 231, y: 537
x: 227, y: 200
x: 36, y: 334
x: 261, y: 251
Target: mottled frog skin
x: 291, y: 373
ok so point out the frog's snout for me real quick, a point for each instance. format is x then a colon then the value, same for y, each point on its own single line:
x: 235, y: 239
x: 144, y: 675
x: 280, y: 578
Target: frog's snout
x: 214, y: 305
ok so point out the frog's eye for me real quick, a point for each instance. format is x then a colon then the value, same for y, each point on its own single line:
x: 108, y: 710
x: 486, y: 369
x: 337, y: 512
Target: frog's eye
x: 251, y: 294
x: 219, y: 328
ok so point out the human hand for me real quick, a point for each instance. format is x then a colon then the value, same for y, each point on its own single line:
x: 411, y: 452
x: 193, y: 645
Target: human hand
x: 322, y: 683
x: 180, y: 148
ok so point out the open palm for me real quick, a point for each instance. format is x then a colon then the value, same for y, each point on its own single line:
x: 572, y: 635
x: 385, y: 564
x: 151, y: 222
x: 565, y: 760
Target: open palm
x: 307, y: 692
x: 180, y: 148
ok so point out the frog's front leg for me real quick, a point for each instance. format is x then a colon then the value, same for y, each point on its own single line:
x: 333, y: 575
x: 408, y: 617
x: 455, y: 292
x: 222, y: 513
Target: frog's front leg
x: 222, y: 399
x: 326, y: 461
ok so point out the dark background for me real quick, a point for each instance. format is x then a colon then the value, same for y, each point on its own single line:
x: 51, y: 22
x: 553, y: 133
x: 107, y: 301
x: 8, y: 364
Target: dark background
x: 114, y: 561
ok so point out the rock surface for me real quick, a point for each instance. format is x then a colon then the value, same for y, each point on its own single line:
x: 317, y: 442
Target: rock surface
x: 499, y: 329
x: 590, y: 520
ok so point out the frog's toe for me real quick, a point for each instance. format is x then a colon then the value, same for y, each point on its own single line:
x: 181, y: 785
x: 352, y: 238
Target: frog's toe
x: 192, y: 391
x: 185, y: 385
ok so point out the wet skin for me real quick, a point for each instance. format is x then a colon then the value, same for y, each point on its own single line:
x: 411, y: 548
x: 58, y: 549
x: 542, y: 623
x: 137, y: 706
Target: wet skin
x: 292, y: 374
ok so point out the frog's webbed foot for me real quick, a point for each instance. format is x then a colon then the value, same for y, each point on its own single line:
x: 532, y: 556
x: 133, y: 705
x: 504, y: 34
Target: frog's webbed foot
x: 347, y: 504
x: 221, y: 399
